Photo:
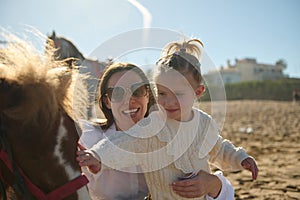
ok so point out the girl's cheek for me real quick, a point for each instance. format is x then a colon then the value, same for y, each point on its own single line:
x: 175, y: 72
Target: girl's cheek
x: 160, y: 101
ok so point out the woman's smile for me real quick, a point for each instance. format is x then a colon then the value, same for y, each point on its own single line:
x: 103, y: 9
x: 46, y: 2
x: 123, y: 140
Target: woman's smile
x: 132, y: 111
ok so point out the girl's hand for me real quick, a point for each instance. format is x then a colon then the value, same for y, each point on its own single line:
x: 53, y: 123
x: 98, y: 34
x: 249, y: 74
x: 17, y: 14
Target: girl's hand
x: 250, y: 164
x: 84, y: 158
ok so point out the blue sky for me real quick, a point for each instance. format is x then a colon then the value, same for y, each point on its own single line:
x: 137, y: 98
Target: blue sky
x: 267, y: 30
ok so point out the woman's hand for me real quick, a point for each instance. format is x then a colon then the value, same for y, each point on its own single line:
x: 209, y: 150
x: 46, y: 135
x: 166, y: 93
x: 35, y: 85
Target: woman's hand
x: 84, y: 158
x: 204, y: 183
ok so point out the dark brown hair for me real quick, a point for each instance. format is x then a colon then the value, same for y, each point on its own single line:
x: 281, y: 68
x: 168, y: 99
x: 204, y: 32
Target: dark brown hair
x: 109, y: 71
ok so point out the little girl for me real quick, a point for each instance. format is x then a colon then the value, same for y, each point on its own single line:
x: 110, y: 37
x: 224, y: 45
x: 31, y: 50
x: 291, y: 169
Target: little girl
x: 179, y: 145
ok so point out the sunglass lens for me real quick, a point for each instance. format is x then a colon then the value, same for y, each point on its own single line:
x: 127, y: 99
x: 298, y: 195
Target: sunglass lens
x: 116, y: 94
x: 138, y: 90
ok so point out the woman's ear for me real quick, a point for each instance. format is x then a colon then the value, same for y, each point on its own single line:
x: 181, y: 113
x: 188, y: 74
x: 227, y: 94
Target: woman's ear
x: 199, y: 91
x: 106, y: 101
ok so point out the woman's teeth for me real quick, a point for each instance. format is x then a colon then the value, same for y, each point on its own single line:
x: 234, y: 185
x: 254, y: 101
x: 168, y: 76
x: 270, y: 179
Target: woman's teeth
x: 132, y: 111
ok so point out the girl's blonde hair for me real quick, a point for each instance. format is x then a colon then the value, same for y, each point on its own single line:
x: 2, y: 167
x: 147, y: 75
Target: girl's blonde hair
x: 183, y: 56
x: 192, y: 46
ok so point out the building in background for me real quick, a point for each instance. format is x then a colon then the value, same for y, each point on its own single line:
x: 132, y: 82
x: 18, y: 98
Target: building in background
x: 246, y: 70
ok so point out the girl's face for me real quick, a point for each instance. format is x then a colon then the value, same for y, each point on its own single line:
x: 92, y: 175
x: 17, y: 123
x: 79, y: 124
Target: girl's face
x: 176, y: 95
x: 127, y: 109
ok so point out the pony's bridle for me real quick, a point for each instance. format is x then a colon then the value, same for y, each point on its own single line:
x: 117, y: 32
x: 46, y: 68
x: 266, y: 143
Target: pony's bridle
x: 7, y: 158
x: 22, y: 184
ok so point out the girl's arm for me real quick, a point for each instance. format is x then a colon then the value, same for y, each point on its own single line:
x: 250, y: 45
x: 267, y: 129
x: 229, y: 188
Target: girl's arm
x: 116, y: 153
x: 223, y: 153
x: 123, y: 149
x: 84, y: 158
x: 228, y: 157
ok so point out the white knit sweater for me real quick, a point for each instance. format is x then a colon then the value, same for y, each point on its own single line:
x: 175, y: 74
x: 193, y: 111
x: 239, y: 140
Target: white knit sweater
x: 173, y: 150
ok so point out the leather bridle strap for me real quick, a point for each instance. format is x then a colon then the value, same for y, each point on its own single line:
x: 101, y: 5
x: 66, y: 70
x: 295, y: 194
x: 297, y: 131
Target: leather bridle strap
x: 19, y: 184
x: 69, y: 188
x: 5, y: 159
x: 2, y: 188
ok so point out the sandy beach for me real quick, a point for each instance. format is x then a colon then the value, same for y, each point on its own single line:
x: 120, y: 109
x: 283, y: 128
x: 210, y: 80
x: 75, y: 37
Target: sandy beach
x: 270, y: 132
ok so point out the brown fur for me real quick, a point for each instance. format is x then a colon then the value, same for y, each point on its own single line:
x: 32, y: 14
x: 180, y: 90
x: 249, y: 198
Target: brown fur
x: 40, y: 77
x: 66, y: 50
x: 35, y: 93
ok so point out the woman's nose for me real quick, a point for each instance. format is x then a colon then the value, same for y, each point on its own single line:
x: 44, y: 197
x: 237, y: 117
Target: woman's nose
x: 128, y: 96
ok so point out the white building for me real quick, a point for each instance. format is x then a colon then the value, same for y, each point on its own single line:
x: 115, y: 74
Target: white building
x: 246, y: 70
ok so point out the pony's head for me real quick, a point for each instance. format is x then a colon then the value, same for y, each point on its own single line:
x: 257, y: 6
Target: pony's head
x: 34, y: 87
x: 40, y: 102
x: 65, y: 49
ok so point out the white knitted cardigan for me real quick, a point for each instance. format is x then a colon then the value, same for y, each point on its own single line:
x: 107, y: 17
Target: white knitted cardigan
x: 168, y: 150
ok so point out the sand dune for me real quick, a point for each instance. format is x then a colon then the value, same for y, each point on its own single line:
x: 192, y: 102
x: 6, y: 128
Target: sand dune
x: 273, y: 138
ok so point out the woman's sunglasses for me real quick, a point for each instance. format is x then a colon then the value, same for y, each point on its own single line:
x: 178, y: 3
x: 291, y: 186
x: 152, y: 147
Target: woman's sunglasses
x: 118, y: 93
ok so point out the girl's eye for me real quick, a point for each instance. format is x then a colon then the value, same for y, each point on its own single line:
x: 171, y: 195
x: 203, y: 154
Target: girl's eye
x: 161, y: 93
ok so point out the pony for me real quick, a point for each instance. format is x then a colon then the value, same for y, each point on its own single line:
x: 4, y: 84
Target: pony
x: 65, y: 49
x: 39, y: 125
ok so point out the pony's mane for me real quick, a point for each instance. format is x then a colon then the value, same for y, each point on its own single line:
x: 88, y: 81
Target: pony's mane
x: 48, y: 85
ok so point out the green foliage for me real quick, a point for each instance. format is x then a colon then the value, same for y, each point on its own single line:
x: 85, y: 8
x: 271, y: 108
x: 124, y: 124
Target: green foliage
x: 279, y: 90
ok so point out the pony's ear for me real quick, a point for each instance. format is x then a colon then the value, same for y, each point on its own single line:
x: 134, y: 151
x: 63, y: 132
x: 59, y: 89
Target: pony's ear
x: 53, y: 34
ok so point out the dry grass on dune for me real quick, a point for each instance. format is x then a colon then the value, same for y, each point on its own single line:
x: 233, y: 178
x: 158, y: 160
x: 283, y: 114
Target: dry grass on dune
x: 274, y: 142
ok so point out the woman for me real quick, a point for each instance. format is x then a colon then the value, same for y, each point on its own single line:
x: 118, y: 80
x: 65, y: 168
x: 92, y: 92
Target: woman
x: 126, y: 98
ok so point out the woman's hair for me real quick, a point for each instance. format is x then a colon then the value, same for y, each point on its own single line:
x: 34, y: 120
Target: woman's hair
x: 108, y: 73
x: 183, y: 57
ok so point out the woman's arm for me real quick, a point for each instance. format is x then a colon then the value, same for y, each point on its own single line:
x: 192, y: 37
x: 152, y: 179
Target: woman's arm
x: 227, y: 191
x: 214, y: 186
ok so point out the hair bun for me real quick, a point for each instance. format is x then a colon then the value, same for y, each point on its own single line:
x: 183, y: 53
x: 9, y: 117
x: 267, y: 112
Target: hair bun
x: 191, y: 46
